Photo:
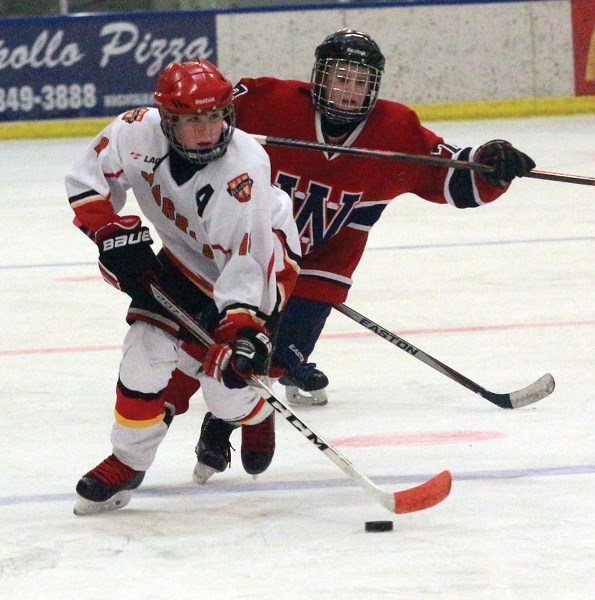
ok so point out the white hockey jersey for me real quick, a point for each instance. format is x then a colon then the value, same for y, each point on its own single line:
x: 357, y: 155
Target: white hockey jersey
x: 226, y: 228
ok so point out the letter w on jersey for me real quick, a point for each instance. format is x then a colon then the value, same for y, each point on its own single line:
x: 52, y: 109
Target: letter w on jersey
x: 317, y: 218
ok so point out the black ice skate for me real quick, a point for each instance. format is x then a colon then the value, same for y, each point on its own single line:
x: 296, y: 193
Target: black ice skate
x: 305, y: 386
x: 213, y: 451
x: 107, y: 487
x: 258, y: 446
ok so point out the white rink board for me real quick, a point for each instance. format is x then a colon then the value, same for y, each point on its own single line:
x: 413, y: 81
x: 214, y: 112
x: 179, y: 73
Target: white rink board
x: 434, y: 54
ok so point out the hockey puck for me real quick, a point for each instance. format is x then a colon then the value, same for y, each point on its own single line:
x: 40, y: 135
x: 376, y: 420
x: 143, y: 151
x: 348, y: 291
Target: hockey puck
x: 379, y: 525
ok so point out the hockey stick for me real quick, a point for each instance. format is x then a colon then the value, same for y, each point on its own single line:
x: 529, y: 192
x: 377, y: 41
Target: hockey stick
x: 414, y: 158
x: 537, y: 390
x: 423, y: 496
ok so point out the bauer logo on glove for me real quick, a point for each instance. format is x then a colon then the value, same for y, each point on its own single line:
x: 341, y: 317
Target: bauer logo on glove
x: 136, y: 237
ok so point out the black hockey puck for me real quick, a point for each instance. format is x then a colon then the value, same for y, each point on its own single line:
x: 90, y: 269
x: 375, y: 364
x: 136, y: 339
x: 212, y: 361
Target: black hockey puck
x: 379, y: 525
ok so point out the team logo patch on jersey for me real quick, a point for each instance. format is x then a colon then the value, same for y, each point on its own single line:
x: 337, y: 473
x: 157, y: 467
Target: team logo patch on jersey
x: 102, y: 145
x: 136, y: 114
x: 241, y: 187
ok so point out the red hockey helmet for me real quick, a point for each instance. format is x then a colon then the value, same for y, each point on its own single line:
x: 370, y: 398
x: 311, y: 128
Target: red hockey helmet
x: 195, y: 88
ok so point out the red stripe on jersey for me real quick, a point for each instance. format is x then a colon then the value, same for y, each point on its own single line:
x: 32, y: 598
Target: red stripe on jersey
x: 255, y: 412
x: 270, y: 267
x: 236, y: 319
x: 223, y: 250
x: 93, y: 213
x: 287, y: 278
x: 139, y: 314
x: 245, y: 245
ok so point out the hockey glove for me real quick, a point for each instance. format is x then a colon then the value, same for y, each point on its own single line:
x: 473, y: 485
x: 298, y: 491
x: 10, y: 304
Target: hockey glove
x: 234, y: 362
x: 125, y: 255
x: 507, y: 161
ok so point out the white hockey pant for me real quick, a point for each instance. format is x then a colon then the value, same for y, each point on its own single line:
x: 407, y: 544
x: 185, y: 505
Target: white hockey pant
x: 150, y: 356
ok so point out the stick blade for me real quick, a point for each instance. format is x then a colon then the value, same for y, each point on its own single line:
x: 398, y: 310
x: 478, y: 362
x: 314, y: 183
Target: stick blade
x: 539, y: 389
x: 534, y: 392
x: 423, y: 496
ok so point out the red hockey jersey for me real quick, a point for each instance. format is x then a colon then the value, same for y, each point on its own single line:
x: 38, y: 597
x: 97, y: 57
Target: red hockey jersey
x: 337, y: 198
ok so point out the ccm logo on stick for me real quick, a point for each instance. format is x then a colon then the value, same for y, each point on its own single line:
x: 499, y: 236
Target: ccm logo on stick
x: 127, y: 239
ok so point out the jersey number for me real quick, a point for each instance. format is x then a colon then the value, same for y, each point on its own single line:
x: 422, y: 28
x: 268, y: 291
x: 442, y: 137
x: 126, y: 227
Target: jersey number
x: 202, y: 198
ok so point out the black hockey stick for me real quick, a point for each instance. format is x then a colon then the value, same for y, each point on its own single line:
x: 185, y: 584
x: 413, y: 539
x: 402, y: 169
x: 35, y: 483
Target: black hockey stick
x: 423, y: 496
x: 539, y: 389
x: 414, y: 158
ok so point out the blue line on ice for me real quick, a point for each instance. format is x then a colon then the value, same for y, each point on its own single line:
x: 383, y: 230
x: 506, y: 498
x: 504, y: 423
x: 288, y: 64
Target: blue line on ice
x: 221, y: 487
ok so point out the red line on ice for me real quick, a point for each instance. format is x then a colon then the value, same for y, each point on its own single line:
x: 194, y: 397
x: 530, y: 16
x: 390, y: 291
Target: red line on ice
x: 417, y: 438
x: 343, y: 335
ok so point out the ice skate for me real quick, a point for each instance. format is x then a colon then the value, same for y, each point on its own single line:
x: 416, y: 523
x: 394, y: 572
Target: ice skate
x: 258, y: 446
x: 107, y: 487
x: 305, y: 386
x: 213, y: 451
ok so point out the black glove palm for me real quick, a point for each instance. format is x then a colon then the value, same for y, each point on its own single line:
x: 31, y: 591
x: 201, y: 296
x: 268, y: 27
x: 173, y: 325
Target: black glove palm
x: 507, y: 161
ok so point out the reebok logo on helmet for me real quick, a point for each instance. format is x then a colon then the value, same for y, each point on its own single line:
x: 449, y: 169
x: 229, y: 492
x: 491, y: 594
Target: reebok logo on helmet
x: 203, y: 100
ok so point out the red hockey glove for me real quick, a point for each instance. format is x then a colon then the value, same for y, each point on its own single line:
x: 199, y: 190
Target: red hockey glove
x: 125, y: 255
x: 216, y: 361
x: 235, y: 361
x: 507, y: 161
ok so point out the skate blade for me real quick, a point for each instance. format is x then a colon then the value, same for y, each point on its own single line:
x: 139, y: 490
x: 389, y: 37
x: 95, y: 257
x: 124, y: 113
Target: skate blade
x: 84, y: 507
x: 202, y: 473
x: 297, y: 397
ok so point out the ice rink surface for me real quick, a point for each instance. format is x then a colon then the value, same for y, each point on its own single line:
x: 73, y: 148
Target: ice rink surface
x: 503, y: 294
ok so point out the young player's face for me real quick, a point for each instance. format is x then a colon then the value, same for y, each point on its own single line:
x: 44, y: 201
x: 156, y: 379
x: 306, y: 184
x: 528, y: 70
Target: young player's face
x: 202, y: 130
x: 346, y: 84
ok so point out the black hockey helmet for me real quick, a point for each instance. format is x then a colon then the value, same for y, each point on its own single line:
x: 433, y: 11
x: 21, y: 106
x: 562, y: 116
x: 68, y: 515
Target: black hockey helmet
x: 344, y: 50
